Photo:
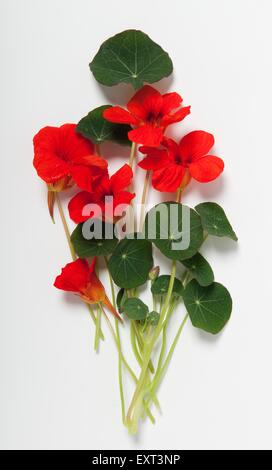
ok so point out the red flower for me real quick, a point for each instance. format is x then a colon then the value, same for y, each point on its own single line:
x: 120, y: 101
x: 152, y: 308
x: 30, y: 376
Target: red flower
x: 79, y: 277
x: 61, y: 157
x: 188, y: 158
x: 150, y: 113
x: 109, y: 186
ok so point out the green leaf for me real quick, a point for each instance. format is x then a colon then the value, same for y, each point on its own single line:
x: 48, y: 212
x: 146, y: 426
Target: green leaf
x: 95, y: 128
x: 209, y: 307
x: 161, y: 284
x: 96, y: 246
x: 120, y: 299
x: 214, y: 220
x: 131, y: 262
x: 135, y: 309
x: 164, y: 225
x: 200, y: 269
x: 153, y: 318
x: 130, y: 57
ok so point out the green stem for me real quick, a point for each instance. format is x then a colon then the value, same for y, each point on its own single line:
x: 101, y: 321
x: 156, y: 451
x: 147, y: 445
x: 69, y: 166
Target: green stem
x: 179, y: 192
x: 159, y: 377
x: 154, y: 302
x: 169, y: 313
x: 132, y: 154
x: 143, y: 200
x: 120, y: 378
x: 73, y: 253
x: 65, y: 226
x: 119, y: 347
x: 131, y: 213
x: 133, y: 412
x: 138, y: 397
x: 116, y: 344
x: 140, y: 341
x: 162, y: 369
x: 137, y: 349
x: 97, y: 150
x: 134, y: 344
x: 97, y: 329
x: 122, y: 358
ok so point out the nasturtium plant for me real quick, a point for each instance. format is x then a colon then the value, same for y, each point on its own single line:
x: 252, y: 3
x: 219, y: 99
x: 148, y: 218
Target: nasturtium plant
x: 135, y: 309
x: 95, y: 246
x: 215, y: 221
x: 95, y: 128
x: 161, y: 284
x: 131, y: 262
x: 209, y: 307
x: 130, y: 57
x: 199, y: 269
x: 175, y: 229
x: 70, y: 157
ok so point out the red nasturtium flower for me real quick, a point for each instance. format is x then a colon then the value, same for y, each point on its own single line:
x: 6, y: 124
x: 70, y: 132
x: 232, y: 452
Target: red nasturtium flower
x: 108, y: 186
x: 80, y: 278
x: 62, y: 157
x: 178, y: 162
x: 149, y: 113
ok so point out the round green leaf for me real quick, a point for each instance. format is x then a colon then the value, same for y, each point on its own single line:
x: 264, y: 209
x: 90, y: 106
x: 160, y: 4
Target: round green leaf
x: 215, y: 221
x: 175, y: 229
x: 153, y: 318
x: 209, y: 307
x: 200, y: 269
x: 135, y: 309
x: 161, y: 284
x: 131, y: 262
x: 95, y: 128
x: 95, y: 246
x: 130, y: 57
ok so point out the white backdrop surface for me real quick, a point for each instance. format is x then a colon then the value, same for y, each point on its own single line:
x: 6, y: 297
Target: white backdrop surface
x: 55, y: 392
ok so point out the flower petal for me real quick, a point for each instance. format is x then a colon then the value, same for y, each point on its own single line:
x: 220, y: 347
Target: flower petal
x: 96, y: 161
x: 176, y: 117
x: 168, y: 179
x: 101, y: 188
x: 110, y: 307
x: 46, y: 161
x: 76, y: 207
x: 155, y: 159
x: 195, y: 145
x: 121, y: 179
x: 153, y: 151
x: 49, y: 167
x: 73, y: 146
x: 92, y: 265
x: 170, y: 101
x: 119, y: 115
x: 95, y: 291
x: 120, y: 203
x: 147, y: 100
x: 172, y: 146
x: 74, y: 276
x: 146, y: 135
x: 83, y: 177
x: 206, y: 169
x: 123, y: 198
x: 56, y: 149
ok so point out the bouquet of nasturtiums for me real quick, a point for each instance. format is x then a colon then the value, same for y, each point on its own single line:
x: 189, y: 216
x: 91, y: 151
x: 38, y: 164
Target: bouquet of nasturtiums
x: 114, y: 233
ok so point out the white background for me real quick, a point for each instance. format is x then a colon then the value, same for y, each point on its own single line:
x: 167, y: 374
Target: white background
x: 55, y: 391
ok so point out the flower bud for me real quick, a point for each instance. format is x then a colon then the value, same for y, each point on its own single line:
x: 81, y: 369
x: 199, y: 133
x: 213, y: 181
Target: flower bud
x: 153, y: 273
